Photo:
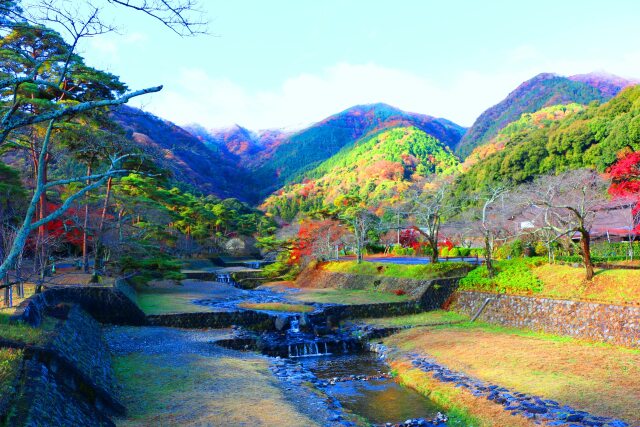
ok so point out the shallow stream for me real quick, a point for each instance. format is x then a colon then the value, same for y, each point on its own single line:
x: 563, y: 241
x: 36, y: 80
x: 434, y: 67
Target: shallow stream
x: 378, y: 400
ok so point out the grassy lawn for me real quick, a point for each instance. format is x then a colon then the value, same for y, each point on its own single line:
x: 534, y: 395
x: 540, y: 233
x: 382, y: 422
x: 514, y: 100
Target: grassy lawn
x: 23, y: 332
x: 163, y: 301
x: 611, y: 286
x: 347, y: 296
x: 599, y: 378
x: 278, y: 306
x: 533, y: 276
x: 435, y: 317
x: 9, y: 363
x: 420, y: 271
x: 198, y: 390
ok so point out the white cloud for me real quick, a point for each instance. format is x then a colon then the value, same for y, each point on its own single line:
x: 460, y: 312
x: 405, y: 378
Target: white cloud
x: 196, y: 96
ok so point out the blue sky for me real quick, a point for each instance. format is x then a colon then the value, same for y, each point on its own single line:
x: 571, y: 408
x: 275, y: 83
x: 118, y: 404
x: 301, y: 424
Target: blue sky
x: 290, y: 63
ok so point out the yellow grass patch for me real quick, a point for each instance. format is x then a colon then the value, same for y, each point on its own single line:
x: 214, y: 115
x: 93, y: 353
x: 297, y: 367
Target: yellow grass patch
x: 602, y: 379
x: 459, y: 403
x: 198, y: 390
x: 609, y: 286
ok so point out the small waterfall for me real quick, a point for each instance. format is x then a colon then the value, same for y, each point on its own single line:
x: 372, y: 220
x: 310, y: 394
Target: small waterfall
x: 307, y: 349
x: 295, y: 326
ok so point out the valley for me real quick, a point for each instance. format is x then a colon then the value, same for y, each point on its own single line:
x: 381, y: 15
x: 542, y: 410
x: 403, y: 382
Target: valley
x: 445, y: 238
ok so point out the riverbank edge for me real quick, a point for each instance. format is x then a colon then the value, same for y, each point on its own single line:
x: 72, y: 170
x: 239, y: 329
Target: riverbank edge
x: 485, y: 404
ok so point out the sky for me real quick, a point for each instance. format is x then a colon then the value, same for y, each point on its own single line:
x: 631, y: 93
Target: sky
x: 289, y: 63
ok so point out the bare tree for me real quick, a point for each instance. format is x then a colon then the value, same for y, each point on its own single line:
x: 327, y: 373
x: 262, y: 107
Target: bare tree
x: 361, y: 223
x: 328, y: 236
x: 567, y: 205
x: 491, y: 219
x: 428, y: 210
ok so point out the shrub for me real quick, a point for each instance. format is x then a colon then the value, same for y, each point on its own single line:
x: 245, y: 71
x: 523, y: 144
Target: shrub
x: 152, y: 267
x: 454, y: 252
x: 512, y: 276
x: 464, y: 251
x: 516, y: 248
x: 540, y: 249
x: 444, y: 252
x: 503, y: 252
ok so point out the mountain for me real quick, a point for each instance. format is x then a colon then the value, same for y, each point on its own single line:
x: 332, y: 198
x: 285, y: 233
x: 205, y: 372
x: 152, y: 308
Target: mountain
x: 300, y: 152
x: 190, y: 160
x: 541, y: 91
x: 240, y: 143
x: 377, y: 169
x: 593, y: 136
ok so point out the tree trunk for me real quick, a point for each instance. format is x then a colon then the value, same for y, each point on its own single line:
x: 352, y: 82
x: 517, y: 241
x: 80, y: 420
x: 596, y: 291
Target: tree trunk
x: 99, y: 249
x: 42, y: 230
x: 488, y: 257
x: 585, y: 245
x: 434, y: 248
x: 85, y: 226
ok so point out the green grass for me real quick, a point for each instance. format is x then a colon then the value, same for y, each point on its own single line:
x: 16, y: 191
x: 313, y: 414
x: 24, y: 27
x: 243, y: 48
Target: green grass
x: 489, y: 328
x: 419, y: 272
x: 348, y: 296
x: 513, y: 276
x: 435, y: 317
x: 22, y: 332
x: 164, y: 301
x: 9, y: 366
x: 277, y: 306
x: 534, y: 276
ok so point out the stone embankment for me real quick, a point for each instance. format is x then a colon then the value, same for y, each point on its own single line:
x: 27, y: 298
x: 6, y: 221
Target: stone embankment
x: 68, y: 380
x: 318, y: 278
x: 616, y: 324
x: 114, y: 305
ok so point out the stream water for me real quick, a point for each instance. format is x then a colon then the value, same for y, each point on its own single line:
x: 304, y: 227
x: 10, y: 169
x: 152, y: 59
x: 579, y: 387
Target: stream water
x: 379, y: 400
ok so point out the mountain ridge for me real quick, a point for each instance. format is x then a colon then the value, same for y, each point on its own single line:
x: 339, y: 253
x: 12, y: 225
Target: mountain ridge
x: 542, y: 90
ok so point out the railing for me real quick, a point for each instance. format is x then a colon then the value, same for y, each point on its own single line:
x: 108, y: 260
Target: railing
x: 11, y: 294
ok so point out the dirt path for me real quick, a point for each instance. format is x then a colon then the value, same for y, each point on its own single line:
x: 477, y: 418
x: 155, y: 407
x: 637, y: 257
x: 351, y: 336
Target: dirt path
x: 178, y: 377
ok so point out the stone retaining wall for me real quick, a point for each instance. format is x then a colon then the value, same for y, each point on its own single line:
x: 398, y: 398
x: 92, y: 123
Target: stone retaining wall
x: 600, y: 322
x: 215, y: 320
x: 434, y: 294
x: 105, y: 304
x: 69, y: 380
x: 317, y: 278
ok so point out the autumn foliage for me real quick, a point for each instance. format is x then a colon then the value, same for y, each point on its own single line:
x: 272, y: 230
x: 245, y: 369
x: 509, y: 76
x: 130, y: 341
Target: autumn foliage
x: 625, y: 180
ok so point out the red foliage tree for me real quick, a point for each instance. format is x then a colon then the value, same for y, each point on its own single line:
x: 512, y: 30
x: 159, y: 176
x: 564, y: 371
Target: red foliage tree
x: 625, y: 179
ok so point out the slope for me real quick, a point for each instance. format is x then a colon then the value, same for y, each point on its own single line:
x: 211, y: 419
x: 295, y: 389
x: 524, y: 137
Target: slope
x: 377, y: 169
x: 306, y: 149
x: 594, y: 136
x: 192, y: 162
x: 541, y: 91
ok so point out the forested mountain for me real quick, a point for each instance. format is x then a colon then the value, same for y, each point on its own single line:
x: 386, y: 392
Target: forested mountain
x: 306, y: 149
x: 376, y: 169
x: 594, y: 136
x: 301, y: 169
x: 543, y: 90
x: 193, y: 163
